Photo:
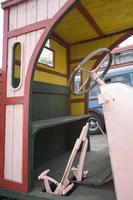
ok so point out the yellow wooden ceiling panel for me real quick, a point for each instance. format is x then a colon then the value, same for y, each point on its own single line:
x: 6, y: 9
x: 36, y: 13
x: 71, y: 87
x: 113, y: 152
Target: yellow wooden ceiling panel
x: 83, y: 49
x: 74, y: 27
x: 111, y: 15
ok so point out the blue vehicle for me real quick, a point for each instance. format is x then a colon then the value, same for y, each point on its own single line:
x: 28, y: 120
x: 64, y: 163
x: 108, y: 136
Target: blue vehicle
x: 121, y: 71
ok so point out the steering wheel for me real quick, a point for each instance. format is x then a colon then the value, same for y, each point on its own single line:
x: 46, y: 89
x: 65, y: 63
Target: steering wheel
x: 84, y: 88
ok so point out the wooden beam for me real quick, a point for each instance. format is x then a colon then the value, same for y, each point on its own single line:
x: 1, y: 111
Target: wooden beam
x: 9, y: 3
x: 59, y: 39
x: 103, y: 37
x: 121, y: 39
x: 89, y: 18
x: 28, y: 28
x: 39, y: 68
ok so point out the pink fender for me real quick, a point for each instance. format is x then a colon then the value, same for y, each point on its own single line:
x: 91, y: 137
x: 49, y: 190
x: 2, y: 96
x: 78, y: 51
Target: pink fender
x: 117, y: 101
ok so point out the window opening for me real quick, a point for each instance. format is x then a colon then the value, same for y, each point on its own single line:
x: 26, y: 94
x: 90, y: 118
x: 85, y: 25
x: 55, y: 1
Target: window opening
x: 16, y: 65
x: 47, y: 55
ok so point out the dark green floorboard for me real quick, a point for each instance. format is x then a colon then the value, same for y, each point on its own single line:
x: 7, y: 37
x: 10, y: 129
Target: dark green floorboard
x: 98, y: 164
x: 99, y: 168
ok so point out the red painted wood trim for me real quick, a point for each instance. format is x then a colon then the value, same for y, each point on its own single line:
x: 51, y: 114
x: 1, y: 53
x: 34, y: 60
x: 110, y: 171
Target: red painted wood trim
x: 76, y: 60
x: 122, y: 38
x: 89, y: 18
x: 38, y: 68
x: 17, y: 187
x: 84, y: 100
x: 78, y: 100
x: 25, y: 143
x: 120, y: 49
x: 68, y: 62
x: 46, y: 33
x: 10, y: 3
x: 68, y: 75
x: 3, y: 93
x: 17, y: 62
x: 29, y: 28
x: 59, y: 40
x: 99, y: 38
x: 93, y: 99
x: 42, y: 69
x: 118, y: 66
x: 14, y: 100
x: 87, y: 97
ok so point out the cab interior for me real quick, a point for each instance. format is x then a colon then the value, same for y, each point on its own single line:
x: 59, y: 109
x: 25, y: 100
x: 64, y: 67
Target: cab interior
x: 57, y: 116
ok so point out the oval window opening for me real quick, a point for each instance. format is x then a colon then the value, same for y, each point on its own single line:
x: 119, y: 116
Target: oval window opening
x: 16, y: 65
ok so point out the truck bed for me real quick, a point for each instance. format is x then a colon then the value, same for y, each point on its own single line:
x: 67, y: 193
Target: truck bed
x: 97, y: 186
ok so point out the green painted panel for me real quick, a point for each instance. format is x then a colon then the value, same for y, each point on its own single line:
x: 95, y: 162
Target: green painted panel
x: 49, y: 101
x: 38, y: 87
x: 54, y: 141
x: 49, y: 143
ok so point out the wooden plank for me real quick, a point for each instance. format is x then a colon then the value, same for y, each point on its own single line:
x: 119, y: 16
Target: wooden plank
x: 38, y: 34
x: 8, y: 143
x: 30, y: 45
x: 28, y: 28
x: 31, y: 11
x: 68, y: 30
x: 42, y: 10
x: 104, y: 12
x: 47, y: 88
x: 30, y: 42
x: 89, y: 18
x: 21, y: 22
x: 21, y: 17
x: 53, y: 7
x: 7, y: 4
x: 59, y: 39
x: 17, y: 143
x: 40, y: 124
x: 13, y: 18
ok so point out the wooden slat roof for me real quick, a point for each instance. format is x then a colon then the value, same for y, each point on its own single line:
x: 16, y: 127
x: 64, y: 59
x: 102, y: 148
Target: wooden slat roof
x: 96, y: 19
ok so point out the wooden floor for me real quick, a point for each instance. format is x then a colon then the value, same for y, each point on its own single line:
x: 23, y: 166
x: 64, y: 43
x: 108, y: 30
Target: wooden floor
x: 97, y: 186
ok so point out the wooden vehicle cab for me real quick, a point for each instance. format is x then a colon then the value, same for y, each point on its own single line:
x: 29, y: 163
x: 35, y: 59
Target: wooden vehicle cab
x: 37, y: 110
